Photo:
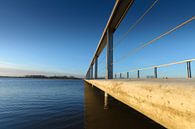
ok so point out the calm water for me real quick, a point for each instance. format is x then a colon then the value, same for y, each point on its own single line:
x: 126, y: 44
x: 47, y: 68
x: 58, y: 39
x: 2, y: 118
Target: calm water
x: 41, y: 104
x: 63, y: 104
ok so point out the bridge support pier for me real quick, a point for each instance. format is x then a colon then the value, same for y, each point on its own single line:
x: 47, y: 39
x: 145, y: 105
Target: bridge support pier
x: 105, y: 100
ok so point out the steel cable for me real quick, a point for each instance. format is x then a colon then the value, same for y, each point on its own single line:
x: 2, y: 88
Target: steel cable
x: 153, y: 40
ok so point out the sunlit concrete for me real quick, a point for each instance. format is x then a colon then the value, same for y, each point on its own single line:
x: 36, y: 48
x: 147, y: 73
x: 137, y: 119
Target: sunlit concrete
x: 170, y: 102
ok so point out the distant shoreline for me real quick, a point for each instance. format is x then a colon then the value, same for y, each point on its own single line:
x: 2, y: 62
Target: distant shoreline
x: 42, y: 77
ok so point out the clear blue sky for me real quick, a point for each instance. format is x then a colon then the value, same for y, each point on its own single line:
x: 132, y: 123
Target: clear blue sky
x: 60, y: 36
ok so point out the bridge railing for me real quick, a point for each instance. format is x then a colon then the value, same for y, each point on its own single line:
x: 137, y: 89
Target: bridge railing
x: 106, y: 45
x: 155, y: 70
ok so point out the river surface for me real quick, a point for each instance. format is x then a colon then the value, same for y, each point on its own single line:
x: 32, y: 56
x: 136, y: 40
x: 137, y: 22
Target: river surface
x: 63, y: 104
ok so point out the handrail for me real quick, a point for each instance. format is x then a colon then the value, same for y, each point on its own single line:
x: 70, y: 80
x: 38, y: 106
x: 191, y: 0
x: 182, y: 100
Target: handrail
x: 119, y: 11
x: 159, y: 66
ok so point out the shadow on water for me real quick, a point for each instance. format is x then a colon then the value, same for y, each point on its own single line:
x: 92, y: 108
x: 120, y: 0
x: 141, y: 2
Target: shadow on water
x: 117, y: 116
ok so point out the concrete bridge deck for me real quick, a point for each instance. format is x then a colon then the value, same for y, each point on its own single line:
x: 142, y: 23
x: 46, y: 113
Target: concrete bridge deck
x: 170, y: 102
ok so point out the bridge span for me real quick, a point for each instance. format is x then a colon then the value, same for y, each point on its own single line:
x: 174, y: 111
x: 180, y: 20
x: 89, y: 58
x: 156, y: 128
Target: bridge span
x: 168, y: 101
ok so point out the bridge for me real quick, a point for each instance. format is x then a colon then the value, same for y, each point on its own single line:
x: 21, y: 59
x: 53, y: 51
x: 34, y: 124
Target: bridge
x: 168, y: 101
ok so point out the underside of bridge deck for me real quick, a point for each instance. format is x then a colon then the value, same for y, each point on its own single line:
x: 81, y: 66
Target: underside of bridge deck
x: 170, y: 102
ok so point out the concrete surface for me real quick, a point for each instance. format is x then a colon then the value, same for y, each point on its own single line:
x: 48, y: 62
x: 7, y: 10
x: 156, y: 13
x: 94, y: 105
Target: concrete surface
x: 170, y: 102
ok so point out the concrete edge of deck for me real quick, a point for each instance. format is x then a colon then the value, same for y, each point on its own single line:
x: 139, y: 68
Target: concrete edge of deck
x: 169, y: 102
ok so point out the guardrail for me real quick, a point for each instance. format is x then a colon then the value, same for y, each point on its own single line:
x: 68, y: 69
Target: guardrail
x: 155, y: 68
x: 118, y: 13
x: 106, y: 42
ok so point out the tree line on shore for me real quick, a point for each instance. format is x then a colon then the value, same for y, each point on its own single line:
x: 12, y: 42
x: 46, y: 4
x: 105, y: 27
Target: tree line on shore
x: 41, y: 77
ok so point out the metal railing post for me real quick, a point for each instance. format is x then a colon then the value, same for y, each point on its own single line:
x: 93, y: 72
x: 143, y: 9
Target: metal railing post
x: 109, y: 67
x: 127, y: 75
x: 87, y: 75
x: 189, y: 69
x: 96, y: 68
x: 138, y: 74
x: 91, y: 72
x: 155, y: 72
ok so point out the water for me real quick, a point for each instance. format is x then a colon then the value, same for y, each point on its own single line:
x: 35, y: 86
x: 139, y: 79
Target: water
x: 41, y: 104
x: 63, y: 104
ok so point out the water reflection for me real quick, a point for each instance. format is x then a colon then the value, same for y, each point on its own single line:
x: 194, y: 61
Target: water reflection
x: 116, y: 116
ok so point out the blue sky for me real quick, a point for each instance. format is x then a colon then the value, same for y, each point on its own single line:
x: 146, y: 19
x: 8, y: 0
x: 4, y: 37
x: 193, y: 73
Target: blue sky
x: 51, y: 35
x: 60, y: 36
